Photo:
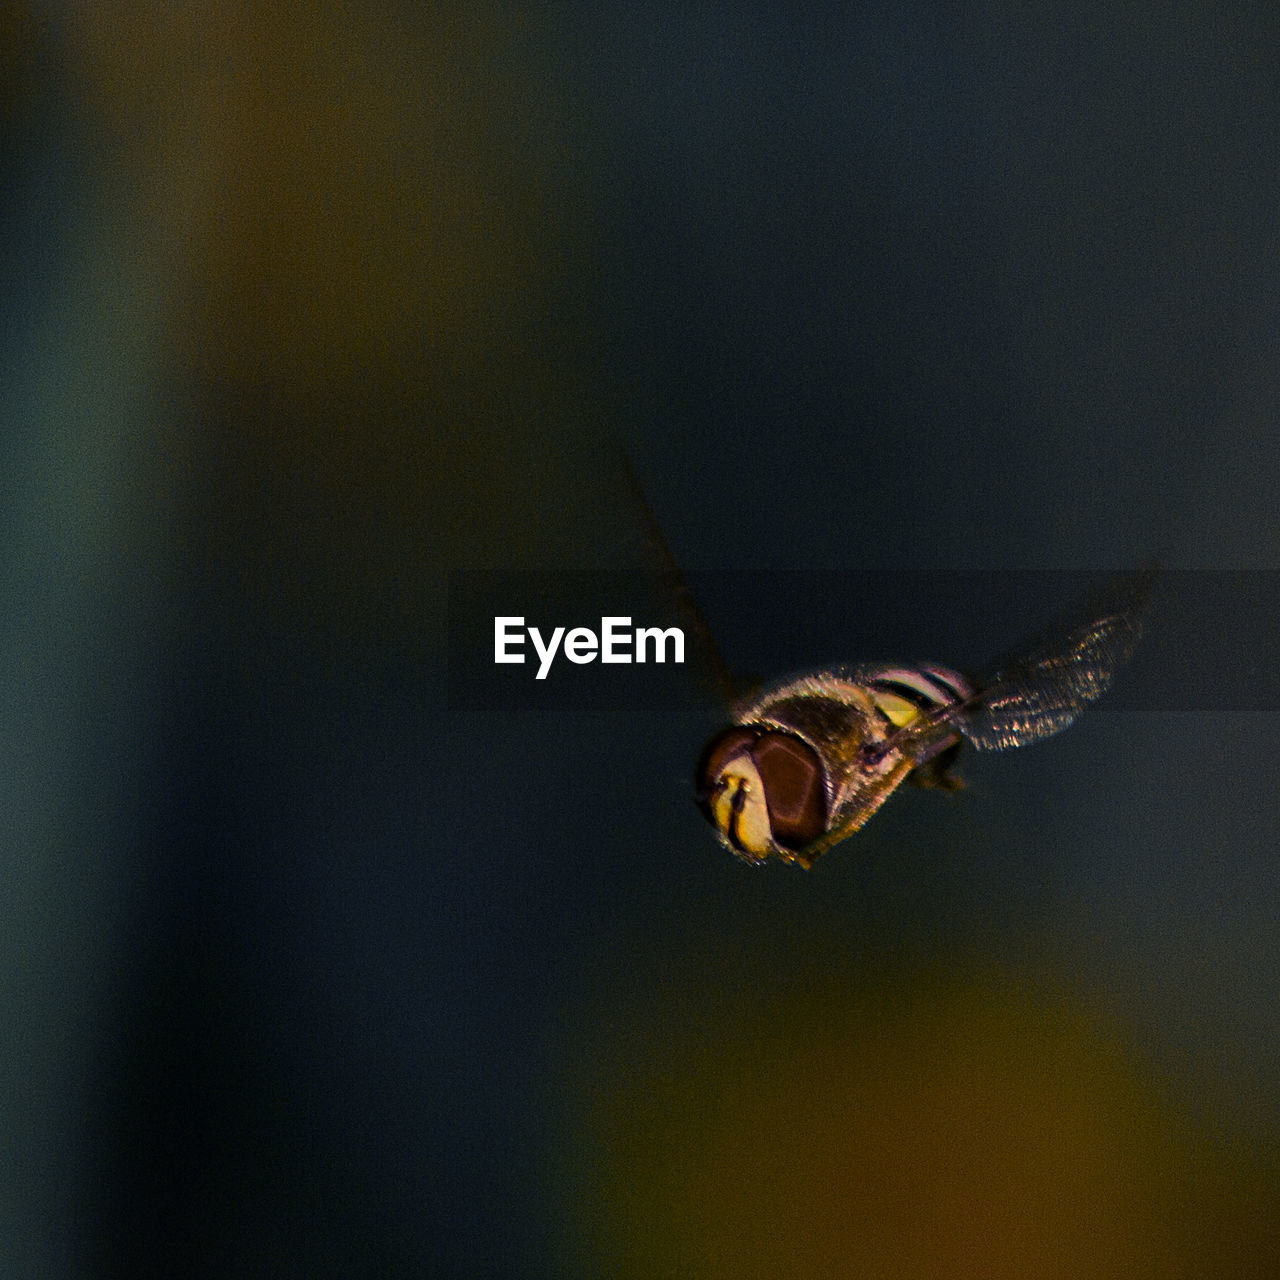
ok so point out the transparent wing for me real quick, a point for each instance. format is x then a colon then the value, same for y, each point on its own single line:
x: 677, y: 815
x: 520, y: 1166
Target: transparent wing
x: 711, y: 669
x: 1039, y: 688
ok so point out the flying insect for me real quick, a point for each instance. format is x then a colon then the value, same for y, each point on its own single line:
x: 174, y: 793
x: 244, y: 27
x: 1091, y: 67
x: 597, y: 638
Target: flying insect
x: 803, y: 765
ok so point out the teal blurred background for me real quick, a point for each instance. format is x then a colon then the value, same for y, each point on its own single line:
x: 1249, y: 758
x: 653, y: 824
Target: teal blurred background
x: 306, y: 974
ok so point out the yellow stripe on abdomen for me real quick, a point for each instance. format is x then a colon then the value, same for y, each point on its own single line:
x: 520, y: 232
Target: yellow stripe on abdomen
x: 899, y: 710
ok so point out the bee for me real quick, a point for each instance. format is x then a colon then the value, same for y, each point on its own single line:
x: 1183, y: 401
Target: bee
x: 805, y: 764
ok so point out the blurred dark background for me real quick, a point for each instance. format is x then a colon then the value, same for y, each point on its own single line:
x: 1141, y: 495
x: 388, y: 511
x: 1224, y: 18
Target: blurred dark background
x: 308, y: 971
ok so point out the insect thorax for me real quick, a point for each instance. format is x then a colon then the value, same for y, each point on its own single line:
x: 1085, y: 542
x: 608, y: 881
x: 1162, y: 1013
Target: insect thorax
x: 835, y: 715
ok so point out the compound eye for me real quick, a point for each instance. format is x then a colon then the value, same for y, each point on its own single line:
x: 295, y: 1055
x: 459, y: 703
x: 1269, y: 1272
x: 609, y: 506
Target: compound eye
x: 794, y: 785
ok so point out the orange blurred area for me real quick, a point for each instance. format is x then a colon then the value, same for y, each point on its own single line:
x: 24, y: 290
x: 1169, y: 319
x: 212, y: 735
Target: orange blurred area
x: 949, y: 1130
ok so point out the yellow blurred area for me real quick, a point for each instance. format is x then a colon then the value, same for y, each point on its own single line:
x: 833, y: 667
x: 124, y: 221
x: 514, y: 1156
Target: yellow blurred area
x: 16, y: 48
x: 347, y: 183
x: 358, y: 219
x: 970, y: 1133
